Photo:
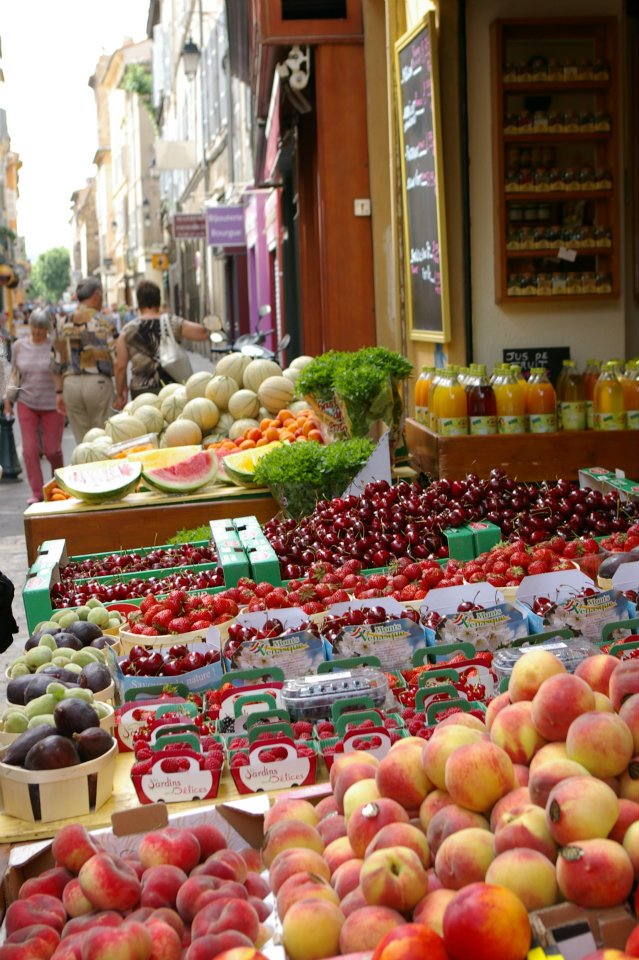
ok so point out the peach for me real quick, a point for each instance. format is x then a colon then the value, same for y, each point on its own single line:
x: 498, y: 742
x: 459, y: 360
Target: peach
x: 345, y: 760
x: 170, y: 917
x: 434, y: 883
x: 212, y: 945
x: 368, y: 819
x: 441, y: 746
x: 210, y: 839
x: 364, y: 928
x: 37, y: 942
x: 293, y: 861
x: 526, y: 827
x: 411, y: 941
x: 262, y: 909
x: 430, y: 911
x: 165, y: 943
x: 394, y: 878
x: 597, y: 670
x: 302, y: 885
x: 70, y: 948
x: 603, y: 704
x: 530, y: 672
x: 485, y: 921
x: 132, y: 861
x: 337, y: 853
x: 628, y: 814
x: 328, y: 805
x: 346, y: 877
x: 601, y: 742
x: 311, y: 929
x: 629, y: 713
x: 73, y: 846
x: 400, y: 776
x: 288, y: 834
x: 160, y: 885
x: 401, y: 835
x: 51, y: 881
x: 407, y: 743
x: 130, y: 941
x: 241, y: 953
x: 180, y: 848
x: 109, y: 883
x: 595, y: 873
x: 624, y: 682
x: 528, y: 874
x: 522, y: 774
x: 632, y: 943
x: 518, y: 797
x: 548, y: 775
x: 559, y: 701
x: 581, y: 808
x: 462, y: 720
x: 360, y: 793
x: 226, y: 914
x: 434, y: 802
x: 631, y: 845
x: 39, y: 908
x: 290, y: 808
x: 552, y: 751
x: 256, y: 886
x: 608, y: 954
x: 496, y: 705
x: 198, y: 891
x: 629, y: 781
x: 332, y: 828
x: 464, y: 857
x: 513, y: 730
x: 74, y: 900
x: 226, y: 864
x: 448, y: 821
x: 105, y: 918
x: 478, y: 775
x: 353, y: 901
x: 252, y: 858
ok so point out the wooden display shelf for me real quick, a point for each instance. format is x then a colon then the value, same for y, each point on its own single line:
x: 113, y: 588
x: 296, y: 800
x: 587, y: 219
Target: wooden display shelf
x: 545, y: 86
x: 553, y: 252
x: 556, y: 196
x: 127, y: 523
x: 543, y: 137
x: 527, y: 457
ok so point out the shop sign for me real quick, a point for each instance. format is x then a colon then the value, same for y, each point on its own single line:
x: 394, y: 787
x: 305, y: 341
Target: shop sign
x: 225, y: 226
x: 189, y: 226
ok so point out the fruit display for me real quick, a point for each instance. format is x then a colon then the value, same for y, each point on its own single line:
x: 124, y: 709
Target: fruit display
x: 70, y: 593
x: 59, y: 655
x: 136, y: 561
x: 73, y: 736
x: 177, y: 660
x: 102, y: 480
x: 287, y: 426
x: 180, y: 613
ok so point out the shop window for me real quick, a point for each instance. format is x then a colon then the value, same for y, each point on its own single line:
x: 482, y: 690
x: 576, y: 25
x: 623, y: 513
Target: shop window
x: 313, y: 9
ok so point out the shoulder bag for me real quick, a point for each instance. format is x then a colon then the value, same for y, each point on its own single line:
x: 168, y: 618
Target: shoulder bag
x: 174, y: 363
x: 13, y: 381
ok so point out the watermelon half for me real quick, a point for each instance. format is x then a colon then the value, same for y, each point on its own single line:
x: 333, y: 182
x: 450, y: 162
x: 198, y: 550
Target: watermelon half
x: 190, y: 474
x: 100, y: 480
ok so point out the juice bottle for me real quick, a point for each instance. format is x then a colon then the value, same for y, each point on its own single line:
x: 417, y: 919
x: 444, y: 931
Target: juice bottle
x: 571, y: 398
x: 520, y: 380
x: 591, y: 375
x: 432, y: 400
x: 630, y: 386
x: 482, y: 406
x: 541, y: 402
x: 452, y: 411
x: 422, y: 389
x: 608, y: 400
x: 511, y: 403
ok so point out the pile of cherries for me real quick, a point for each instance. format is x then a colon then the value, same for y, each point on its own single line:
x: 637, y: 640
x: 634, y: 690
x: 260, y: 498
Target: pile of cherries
x: 142, y: 662
x: 407, y: 520
x: 544, y: 606
x: 69, y: 593
x: 271, y: 628
x: 115, y: 564
x: 335, y: 623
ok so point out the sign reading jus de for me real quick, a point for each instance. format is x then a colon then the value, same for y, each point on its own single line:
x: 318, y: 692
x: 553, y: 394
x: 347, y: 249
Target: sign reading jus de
x: 189, y: 226
x: 225, y: 226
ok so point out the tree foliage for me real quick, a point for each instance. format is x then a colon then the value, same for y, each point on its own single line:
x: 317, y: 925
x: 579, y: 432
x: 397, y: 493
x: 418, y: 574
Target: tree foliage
x: 50, y: 275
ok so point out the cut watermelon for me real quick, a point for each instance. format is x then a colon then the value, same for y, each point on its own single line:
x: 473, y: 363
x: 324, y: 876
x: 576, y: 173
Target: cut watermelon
x: 240, y: 467
x: 100, y: 480
x: 190, y: 474
x: 165, y: 457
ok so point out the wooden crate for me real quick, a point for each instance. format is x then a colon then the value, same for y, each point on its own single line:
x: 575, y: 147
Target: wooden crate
x: 527, y: 457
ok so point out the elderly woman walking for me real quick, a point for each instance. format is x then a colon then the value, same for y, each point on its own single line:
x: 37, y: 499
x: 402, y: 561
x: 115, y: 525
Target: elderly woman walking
x: 40, y: 406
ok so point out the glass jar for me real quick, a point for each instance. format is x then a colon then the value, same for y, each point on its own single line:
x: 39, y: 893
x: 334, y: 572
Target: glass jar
x: 570, y: 70
x: 512, y: 240
x: 555, y: 69
x: 530, y: 212
x: 539, y: 237
x: 512, y: 180
x: 523, y: 72
x: 603, y: 283
x: 525, y: 238
x: 568, y: 179
x: 524, y: 122
x: 573, y: 283
x: 558, y: 284
x: 515, y: 213
x: 544, y: 285
x: 540, y: 121
x: 570, y: 122
x: 584, y: 71
x: 603, y: 179
x: 587, y: 239
x: 510, y: 123
x: 512, y: 285
x: 528, y: 285
x: 541, y: 179
x: 588, y: 282
x: 554, y: 179
x: 510, y: 73
x: 601, y: 122
x: 554, y: 121
x: 525, y: 180
x: 600, y: 70
x: 586, y: 121
x: 553, y: 235
x: 539, y: 69
x: 587, y: 178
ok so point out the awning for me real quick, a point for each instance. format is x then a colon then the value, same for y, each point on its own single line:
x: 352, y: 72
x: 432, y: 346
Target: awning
x: 237, y: 20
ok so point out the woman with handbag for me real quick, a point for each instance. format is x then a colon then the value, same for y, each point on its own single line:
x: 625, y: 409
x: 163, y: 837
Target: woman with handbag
x: 151, y: 343
x: 37, y: 391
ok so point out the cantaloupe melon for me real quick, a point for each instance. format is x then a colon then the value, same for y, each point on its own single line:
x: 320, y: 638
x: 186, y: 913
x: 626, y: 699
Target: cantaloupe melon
x: 181, y: 433
x: 93, y: 434
x: 263, y: 414
x: 297, y: 406
x: 233, y: 365
x: 123, y: 427
x: 291, y: 373
x: 196, y: 384
x: 145, y: 400
x: 167, y: 390
x: 240, y: 426
x: 243, y: 404
x: 220, y: 389
x: 257, y: 372
x: 173, y: 405
x: 87, y: 453
x: 151, y: 417
x: 276, y: 393
x: 201, y: 411
x: 224, y: 424
x: 301, y: 362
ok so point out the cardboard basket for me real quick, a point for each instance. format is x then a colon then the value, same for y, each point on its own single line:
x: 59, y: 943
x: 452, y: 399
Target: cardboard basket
x: 107, y: 723
x: 42, y: 795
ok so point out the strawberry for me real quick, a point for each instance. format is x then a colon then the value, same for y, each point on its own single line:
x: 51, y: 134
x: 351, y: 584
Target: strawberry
x: 246, y: 582
x: 538, y: 566
x: 340, y: 596
x: 377, y: 581
x: 245, y: 596
x: 352, y: 580
x: 263, y: 589
x: 175, y: 600
x: 148, y: 602
x: 255, y: 606
x: 313, y: 606
x: 200, y: 625
x: 150, y: 614
x: 179, y: 625
x: 162, y: 619
x: 150, y: 632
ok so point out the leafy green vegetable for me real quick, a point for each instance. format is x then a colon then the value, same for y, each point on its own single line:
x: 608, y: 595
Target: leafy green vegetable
x: 317, y: 378
x: 300, y: 474
x: 190, y: 536
x: 365, y: 393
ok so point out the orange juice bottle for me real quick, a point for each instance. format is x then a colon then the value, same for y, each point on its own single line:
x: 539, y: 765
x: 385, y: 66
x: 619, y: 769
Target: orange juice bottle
x: 591, y: 375
x: 482, y: 406
x: 571, y: 398
x: 422, y: 389
x: 452, y: 410
x: 520, y: 380
x: 630, y: 386
x: 432, y: 400
x: 541, y: 402
x: 608, y: 400
x: 511, y: 403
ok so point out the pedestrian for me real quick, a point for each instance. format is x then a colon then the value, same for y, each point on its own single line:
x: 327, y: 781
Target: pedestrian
x: 39, y: 404
x: 85, y: 350
x: 139, y: 343
x: 8, y: 626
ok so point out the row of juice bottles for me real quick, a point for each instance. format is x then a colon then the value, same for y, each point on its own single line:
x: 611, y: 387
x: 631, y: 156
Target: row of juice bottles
x: 455, y: 401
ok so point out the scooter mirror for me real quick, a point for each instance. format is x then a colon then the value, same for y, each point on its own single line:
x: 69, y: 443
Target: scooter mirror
x: 255, y: 352
x: 264, y: 310
x: 284, y: 342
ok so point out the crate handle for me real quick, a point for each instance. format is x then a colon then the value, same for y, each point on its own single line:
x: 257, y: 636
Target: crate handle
x: 177, y: 728
x: 631, y: 625
x: 342, y: 706
x: 420, y: 656
x: 250, y: 698
x: 188, y: 709
x: 180, y: 691
x: 620, y: 647
x: 564, y: 633
x: 436, y: 708
x: 187, y: 738
x: 349, y: 663
x: 446, y: 673
x: 253, y: 718
x: 276, y: 675
x: 258, y: 728
x: 356, y: 717
x: 424, y: 693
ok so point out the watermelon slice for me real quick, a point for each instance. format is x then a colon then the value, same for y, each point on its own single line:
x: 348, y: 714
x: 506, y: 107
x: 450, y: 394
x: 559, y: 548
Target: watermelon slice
x: 100, y: 480
x: 190, y: 474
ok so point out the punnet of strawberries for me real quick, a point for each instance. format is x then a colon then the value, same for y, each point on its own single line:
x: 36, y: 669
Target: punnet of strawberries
x: 181, y: 612
x: 176, y: 757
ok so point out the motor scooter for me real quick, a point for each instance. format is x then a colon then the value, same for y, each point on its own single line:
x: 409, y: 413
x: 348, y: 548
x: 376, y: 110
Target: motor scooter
x: 249, y: 344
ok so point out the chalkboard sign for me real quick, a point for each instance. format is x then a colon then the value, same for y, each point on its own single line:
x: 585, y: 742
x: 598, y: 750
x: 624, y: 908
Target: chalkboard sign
x: 528, y: 357
x: 425, y: 259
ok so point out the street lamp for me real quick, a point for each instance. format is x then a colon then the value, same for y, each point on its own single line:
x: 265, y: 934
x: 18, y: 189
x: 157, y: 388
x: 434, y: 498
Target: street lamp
x: 190, y: 58
x: 146, y: 207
